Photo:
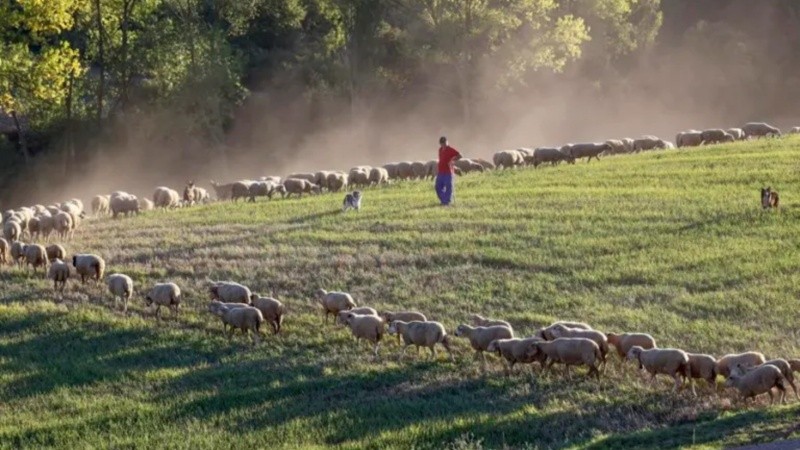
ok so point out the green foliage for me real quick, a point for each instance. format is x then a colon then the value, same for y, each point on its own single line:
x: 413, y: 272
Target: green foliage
x: 673, y: 243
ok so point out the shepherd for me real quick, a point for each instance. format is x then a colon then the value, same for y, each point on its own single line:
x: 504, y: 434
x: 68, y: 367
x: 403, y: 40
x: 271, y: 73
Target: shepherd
x: 444, y: 176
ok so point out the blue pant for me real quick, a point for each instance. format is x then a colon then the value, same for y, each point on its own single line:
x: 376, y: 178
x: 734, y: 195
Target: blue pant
x: 444, y: 188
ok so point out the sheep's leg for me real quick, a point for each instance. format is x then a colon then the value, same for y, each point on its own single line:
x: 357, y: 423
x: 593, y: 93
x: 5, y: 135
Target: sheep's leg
x: 377, y: 347
x: 677, y: 379
x: 433, y: 352
x: 771, y: 397
x: 794, y: 388
x: 158, y: 312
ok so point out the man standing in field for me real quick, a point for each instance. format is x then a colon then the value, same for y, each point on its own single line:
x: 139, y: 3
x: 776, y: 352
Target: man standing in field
x: 445, y: 173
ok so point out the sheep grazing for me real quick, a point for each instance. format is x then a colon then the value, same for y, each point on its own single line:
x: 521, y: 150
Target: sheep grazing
x: 690, y: 138
x: 786, y: 370
x: 703, y: 367
x: 667, y: 361
x: 405, y: 316
x: 120, y: 286
x: 379, y: 175
x: 299, y: 187
x: 368, y: 327
x: 3, y: 251
x: 625, y: 341
x: 432, y: 167
x: 145, y: 204
x: 468, y: 165
x: 264, y: 189
x: 12, y: 231
x: 55, y: 251
x: 100, y: 204
x: 480, y: 337
x: 89, y: 266
x: 757, y: 381
x: 418, y: 170
x: 334, y: 302
x: 421, y: 334
x: 646, y: 143
x: 616, y: 146
x: 480, y: 321
x: 508, y: 159
x: 123, y: 203
x: 164, y: 294
x: 516, y: 351
x: 759, y: 129
x: 568, y: 351
x: 359, y: 178
x: 59, y: 273
x: 36, y: 256
x: 17, y: 252
x: 272, y: 310
x: 562, y: 331
x: 362, y: 311
x: 404, y: 171
x: 716, y: 136
x: 164, y: 197
x: 747, y: 359
x: 229, y: 292
x: 769, y: 198
x: 222, y: 191
x: 241, y: 189
x: 337, y: 181
x: 46, y: 225
x: 245, y: 318
x: 549, y: 155
x: 589, y: 150
x: 737, y: 133
x: 546, y: 333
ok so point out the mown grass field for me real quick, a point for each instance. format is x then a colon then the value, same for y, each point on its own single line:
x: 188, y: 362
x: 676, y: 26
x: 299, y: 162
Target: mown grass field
x: 671, y: 243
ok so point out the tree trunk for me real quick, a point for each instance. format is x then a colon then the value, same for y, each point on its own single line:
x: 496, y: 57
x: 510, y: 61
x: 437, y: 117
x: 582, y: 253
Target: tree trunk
x: 69, y: 154
x: 100, y: 61
x: 23, y: 143
x: 127, y: 10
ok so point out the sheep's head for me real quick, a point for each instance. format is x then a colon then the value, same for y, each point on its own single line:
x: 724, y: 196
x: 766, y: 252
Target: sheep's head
x: 148, y: 300
x: 342, y: 317
x: 634, y: 354
x: 532, y: 350
x: 461, y: 330
x: 493, y: 347
x: 392, y: 327
x: 613, y: 338
x: 731, y: 380
x: 74, y: 261
x: 738, y: 370
x: 214, y: 291
x: 348, y: 318
x: 387, y: 316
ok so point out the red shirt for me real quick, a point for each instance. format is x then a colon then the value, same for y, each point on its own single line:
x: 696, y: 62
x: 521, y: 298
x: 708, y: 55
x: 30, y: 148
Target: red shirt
x: 446, y: 156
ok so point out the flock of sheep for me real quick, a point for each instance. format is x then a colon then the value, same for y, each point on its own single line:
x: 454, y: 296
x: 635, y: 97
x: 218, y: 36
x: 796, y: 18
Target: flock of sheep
x: 567, y: 343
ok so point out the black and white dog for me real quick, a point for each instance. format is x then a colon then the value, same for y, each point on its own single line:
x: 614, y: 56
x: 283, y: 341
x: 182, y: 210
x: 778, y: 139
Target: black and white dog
x: 352, y: 201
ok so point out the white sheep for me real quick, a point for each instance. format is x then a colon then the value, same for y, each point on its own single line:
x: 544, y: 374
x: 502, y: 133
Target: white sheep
x: 164, y: 197
x: 123, y: 203
x: 746, y: 359
x: 598, y: 337
x: 368, y: 327
x: 421, y: 334
x: 546, y: 333
x: 703, y: 367
x: 567, y: 351
x: 334, y: 302
x: 689, y: 138
x: 625, y: 341
x: 164, y: 294
x: 120, y: 286
x: 358, y: 178
x: 230, y: 292
x: 272, y: 310
x: 550, y: 155
x: 716, y: 136
x: 299, y: 187
x: 12, y: 230
x: 337, y: 181
x: 667, y: 361
x: 379, y: 175
x: 17, y: 252
x: 516, y: 351
x: 737, y: 133
x: 100, y: 204
x: 361, y: 311
x: 63, y: 224
x: 760, y: 129
x: 480, y: 321
x: 46, y: 226
x: 58, y: 272
x: 55, y: 251
x: 36, y: 256
x: 88, y: 265
x: 246, y: 318
x: 757, y: 381
x: 589, y: 150
x: 480, y: 337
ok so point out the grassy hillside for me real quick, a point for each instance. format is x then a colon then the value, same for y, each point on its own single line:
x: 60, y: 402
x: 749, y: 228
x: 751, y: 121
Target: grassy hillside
x: 672, y: 243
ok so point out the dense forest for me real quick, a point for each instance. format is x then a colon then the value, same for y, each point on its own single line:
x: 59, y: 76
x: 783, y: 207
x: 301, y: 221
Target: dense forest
x: 122, y: 90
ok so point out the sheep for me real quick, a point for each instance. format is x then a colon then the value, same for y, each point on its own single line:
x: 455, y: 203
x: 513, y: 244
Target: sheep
x: 552, y: 155
x: 645, y: 143
x: 265, y: 189
x: 590, y: 150
x: 480, y: 321
x: 36, y: 256
x: 358, y: 178
x: 703, y: 367
x: 747, y: 359
x: 367, y: 327
x: 230, y: 292
x: 361, y: 310
x: 272, y: 310
x: 757, y: 381
x: 405, y: 316
x: 625, y: 341
x: 759, y: 129
x: 46, y: 225
x: 484, y: 163
x: 56, y: 251
x: 123, y: 203
x: 3, y: 251
x: 58, y: 272
x: 337, y: 181
x: 667, y: 361
x: 378, y: 175
x: 786, y: 370
x: 164, y: 197
x: 391, y: 170
x: 334, y: 302
x: 737, y: 133
x: 567, y: 351
x: 88, y: 265
x: 616, y: 146
x: 222, y: 191
x: 716, y: 136
x: 245, y: 318
x: 468, y: 165
x: 546, y: 333
x: 421, y: 334
x: 516, y: 351
x: 12, y: 231
x: 310, y: 177
x: 33, y: 228
x: 100, y: 204
x: 628, y: 144
x: 190, y: 194
x: 164, y: 294
x: 418, y: 171
x: 120, y: 286
x: 404, y: 171
x: 689, y: 138
x: 794, y: 364
x: 431, y: 168
x: 481, y: 337
x: 240, y: 189
x: 299, y: 186
x: 508, y: 159
x: 794, y: 130
x: 559, y: 331
x: 17, y: 252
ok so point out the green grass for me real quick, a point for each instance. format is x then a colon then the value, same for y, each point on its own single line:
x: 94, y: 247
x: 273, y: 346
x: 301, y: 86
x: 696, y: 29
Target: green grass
x: 672, y: 243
